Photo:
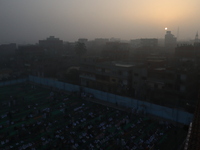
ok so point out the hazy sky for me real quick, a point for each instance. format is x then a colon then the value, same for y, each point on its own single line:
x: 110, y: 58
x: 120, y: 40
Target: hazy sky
x: 27, y: 21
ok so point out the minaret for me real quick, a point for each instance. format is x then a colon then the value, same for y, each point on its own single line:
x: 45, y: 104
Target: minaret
x: 197, y: 37
x: 196, y: 40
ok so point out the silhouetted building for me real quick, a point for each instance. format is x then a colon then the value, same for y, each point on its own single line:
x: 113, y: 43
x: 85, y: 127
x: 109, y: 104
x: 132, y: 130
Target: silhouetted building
x: 116, y: 51
x: 173, y: 87
x: 7, y: 49
x: 101, y: 41
x: 193, y: 140
x: 149, y: 42
x: 83, y: 40
x: 196, y: 40
x: 135, y: 43
x: 52, y: 45
x: 170, y: 41
x: 188, y: 52
x: 115, y: 39
x: 114, y: 77
x: 155, y: 61
x: 96, y: 46
x: 144, y: 42
x: 30, y: 51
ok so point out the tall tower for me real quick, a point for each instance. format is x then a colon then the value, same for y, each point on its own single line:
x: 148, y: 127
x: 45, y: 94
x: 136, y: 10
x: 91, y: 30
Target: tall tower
x: 196, y: 38
x: 170, y: 41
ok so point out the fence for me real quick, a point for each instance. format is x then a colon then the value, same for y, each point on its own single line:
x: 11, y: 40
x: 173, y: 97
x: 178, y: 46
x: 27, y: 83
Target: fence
x: 145, y: 107
x: 11, y: 82
x: 54, y: 83
x: 173, y: 114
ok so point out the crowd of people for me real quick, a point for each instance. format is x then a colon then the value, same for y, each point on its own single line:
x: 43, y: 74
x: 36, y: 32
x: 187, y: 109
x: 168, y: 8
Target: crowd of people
x: 38, y: 118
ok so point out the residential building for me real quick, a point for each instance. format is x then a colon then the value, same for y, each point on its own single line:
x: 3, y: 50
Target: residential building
x: 151, y: 42
x: 52, y: 45
x: 170, y: 42
x: 114, y: 77
x: 172, y: 86
x: 116, y: 51
x: 7, y: 49
x: 83, y: 40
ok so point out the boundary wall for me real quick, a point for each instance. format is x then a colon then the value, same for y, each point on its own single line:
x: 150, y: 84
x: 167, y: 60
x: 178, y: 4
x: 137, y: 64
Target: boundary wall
x: 11, y: 82
x: 173, y: 114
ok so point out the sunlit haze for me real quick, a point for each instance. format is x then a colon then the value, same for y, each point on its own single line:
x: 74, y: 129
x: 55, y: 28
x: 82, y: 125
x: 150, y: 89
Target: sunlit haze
x: 27, y: 21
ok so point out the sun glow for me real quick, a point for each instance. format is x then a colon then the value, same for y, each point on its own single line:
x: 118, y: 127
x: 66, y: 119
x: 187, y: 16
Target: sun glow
x: 158, y: 12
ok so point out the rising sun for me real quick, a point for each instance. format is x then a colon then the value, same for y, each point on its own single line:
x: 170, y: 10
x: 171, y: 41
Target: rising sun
x: 165, y: 28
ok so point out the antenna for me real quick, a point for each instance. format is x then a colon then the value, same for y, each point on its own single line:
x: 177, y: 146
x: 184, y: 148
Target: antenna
x: 197, y: 36
x: 177, y: 34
